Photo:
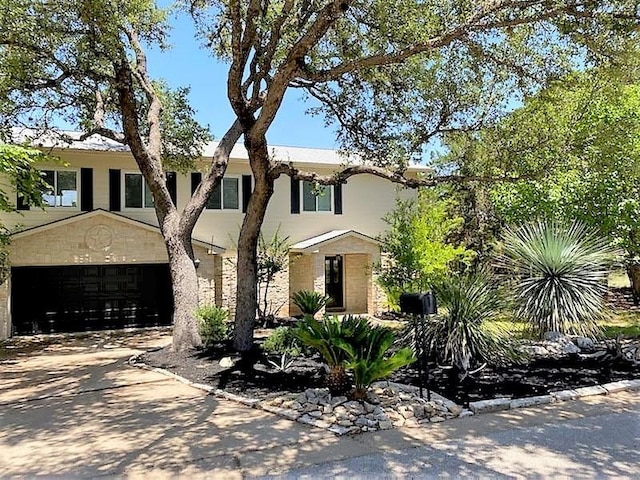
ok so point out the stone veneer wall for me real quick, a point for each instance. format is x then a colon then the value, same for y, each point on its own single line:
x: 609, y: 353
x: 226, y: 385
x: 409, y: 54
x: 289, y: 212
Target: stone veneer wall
x: 300, y: 277
x: 357, y: 282
x: 278, y: 289
x: 228, y: 283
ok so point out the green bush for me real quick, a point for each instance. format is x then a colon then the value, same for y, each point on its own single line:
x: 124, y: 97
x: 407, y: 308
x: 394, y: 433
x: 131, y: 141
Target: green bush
x: 352, y: 344
x: 282, y: 341
x: 459, y: 336
x: 309, y: 302
x: 561, y: 276
x: 368, y: 359
x: 213, y: 324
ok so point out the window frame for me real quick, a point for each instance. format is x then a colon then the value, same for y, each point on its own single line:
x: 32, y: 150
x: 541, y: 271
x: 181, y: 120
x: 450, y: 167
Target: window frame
x: 55, y: 171
x: 238, y: 179
x: 316, y: 211
x: 123, y: 192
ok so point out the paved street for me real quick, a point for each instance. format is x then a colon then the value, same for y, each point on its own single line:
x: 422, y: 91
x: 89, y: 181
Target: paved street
x: 79, y: 411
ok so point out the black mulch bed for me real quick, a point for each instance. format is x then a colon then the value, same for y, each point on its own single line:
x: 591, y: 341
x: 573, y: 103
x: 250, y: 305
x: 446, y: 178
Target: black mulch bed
x: 258, y: 379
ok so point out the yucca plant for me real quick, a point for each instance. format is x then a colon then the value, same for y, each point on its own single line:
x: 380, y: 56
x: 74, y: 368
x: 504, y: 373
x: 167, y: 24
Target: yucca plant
x: 459, y: 336
x: 309, y: 302
x: 561, y: 276
x: 367, y: 360
x: 326, y: 337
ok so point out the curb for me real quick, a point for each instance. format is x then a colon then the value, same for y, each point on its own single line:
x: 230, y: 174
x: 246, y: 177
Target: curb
x: 498, y: 404
x: 475, y: 408
x: 249, y: 402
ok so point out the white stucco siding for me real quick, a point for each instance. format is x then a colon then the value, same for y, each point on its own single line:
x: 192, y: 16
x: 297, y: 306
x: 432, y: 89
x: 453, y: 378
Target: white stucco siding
x: 366, y: 199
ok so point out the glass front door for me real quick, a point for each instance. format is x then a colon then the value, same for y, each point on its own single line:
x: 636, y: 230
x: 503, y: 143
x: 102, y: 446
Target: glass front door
x: 333, y: 282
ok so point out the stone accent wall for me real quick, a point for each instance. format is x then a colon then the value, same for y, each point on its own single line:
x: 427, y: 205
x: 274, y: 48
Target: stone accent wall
x: 206, y: 272
x: 357, y: 280
x: 278, y: 293
x: 229, y: 281
x: 300, y: 277
x: 96, y: 240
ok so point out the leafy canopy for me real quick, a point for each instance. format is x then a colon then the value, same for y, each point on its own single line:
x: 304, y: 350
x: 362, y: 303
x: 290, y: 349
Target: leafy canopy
x: 59, y: 63
x: 417, y: 243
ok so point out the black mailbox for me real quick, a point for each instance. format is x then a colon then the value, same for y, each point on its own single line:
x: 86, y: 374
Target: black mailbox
x: 418, y: 303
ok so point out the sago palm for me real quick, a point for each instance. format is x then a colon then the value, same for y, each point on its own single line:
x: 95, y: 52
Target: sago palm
x: 368, y: 359
x: 325, y: 336
x: 561, y: 276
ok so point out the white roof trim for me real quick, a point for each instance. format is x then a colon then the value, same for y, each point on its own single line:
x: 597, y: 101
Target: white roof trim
x: 314, y: 243
x: 211, y: 248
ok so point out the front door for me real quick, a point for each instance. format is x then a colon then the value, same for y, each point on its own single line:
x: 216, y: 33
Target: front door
x: 333, y: 285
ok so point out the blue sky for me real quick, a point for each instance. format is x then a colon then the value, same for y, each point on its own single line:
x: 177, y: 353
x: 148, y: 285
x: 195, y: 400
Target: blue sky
x: 187, y: 64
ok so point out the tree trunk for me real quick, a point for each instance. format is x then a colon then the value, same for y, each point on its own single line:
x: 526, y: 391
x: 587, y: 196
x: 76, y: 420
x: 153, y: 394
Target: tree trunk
x: 633, y: 271
x: 185, y: 285
x: 247, y: 282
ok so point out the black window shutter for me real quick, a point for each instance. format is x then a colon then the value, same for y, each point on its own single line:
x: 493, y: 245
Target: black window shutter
x: 246, y: 192
x: 337, y: 199
x: 172, y: 187
x: 114, y: 190
x: 86, y: 189
x: 21, y: 204
x: 295, y: 196
x: 196, y: 178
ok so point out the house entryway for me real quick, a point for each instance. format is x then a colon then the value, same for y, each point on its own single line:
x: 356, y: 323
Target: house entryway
x: 334, y: 282
x: 56, y: 299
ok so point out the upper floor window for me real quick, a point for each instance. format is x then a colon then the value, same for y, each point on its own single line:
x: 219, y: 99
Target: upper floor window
x: 316, y: 198
x: 137, y: 193
x: 226, y: 195
x: 64, y: 188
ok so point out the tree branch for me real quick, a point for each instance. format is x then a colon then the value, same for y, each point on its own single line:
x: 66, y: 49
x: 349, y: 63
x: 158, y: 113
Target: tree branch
x: 340, y: 177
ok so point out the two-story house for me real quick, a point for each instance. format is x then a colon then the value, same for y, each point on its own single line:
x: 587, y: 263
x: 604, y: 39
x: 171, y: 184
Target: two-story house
x: 94, y: 258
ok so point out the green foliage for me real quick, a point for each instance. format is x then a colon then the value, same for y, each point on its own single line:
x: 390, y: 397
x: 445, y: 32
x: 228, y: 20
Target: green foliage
x: 353, y: 343
x: 326, y: 335
x: 460, y: 336
x: 368, y: 358
x: 213, y: 324
x: 587, y: 130
x: 282, y: 341
x: 309, y: 302
x: 417, y: 244
x: 561, y: 276
x: 18, y: 164
x: 59, y: 61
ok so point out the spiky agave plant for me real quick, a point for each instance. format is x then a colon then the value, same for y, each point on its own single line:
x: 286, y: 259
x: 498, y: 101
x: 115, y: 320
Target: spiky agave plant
x: 459, y: 336
x: 561, y: 276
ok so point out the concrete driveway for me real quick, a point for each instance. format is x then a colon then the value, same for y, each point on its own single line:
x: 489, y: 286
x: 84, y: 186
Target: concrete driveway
x: 75, y: 409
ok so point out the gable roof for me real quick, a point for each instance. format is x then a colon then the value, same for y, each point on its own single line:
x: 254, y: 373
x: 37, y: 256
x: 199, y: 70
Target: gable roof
x: 211, y: 248
x: 329, y: 237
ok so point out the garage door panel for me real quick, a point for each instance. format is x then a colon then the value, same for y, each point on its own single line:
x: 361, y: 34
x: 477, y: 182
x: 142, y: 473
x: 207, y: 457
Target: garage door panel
x: 95, y: 297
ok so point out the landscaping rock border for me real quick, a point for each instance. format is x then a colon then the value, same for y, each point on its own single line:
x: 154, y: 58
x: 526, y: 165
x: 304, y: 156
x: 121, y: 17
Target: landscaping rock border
x: 388, y: 404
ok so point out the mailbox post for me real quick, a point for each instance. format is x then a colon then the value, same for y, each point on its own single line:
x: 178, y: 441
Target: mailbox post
x: 419, y: 305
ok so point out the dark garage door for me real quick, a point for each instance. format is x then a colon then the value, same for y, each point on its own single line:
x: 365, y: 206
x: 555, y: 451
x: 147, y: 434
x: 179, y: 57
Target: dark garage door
x: 89, y: 297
